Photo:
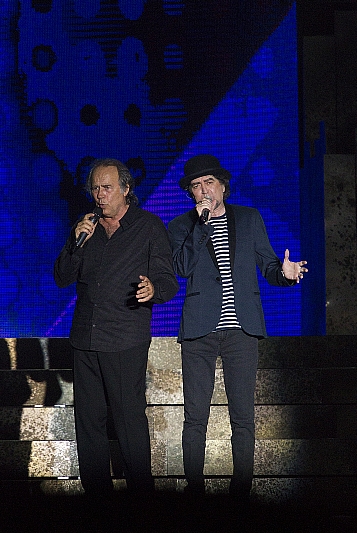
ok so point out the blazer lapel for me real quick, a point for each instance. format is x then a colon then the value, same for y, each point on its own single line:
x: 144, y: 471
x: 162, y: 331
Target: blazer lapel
x: 231, y: 239
x: 231, y: 234
x: 211, y: 253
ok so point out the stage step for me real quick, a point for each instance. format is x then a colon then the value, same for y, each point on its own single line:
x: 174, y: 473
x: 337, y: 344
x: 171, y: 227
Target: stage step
x: 306, y: 420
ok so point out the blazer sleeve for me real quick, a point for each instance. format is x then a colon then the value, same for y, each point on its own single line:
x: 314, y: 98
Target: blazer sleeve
x: 266, y: 259
x: 187, y: 238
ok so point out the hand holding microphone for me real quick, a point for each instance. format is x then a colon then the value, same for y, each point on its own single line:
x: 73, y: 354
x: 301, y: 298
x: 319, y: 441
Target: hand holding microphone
x: 97, y: 213
x: 204, y: 216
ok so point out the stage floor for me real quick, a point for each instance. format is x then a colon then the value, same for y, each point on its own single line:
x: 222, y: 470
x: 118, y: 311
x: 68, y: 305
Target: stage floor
x: 166, y: 512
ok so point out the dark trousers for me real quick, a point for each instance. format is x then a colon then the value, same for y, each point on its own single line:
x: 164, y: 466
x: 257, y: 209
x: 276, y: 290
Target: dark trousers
x: 239, y: 353
x: 118, y: 379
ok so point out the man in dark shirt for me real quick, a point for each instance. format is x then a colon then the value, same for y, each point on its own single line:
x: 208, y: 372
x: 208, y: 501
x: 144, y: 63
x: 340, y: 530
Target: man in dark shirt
x: 123, y: 267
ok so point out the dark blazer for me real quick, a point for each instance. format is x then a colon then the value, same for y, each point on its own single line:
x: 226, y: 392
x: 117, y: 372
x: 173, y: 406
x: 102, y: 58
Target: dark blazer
x: 194, y: 259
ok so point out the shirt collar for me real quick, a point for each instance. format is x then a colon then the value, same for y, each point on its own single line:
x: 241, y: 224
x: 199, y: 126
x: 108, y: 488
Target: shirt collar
x: 129, y: 216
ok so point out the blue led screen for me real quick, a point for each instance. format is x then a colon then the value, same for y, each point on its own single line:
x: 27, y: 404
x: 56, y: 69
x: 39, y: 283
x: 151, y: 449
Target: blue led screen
x: 151, y: 83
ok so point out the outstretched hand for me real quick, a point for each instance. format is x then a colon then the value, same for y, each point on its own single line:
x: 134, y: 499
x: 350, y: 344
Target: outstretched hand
x: 293, y: 271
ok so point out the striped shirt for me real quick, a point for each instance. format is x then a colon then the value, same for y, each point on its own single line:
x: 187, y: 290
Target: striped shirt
x: 228, y: 318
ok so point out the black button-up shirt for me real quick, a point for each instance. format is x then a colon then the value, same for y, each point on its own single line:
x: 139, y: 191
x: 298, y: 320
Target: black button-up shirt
x: 108, y: 316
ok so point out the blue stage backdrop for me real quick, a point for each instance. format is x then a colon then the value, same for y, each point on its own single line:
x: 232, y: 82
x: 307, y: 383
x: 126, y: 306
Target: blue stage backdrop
x: 151, y: 83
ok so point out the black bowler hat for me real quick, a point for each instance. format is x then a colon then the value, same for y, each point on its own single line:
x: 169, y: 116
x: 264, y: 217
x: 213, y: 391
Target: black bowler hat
x: 202, y: 165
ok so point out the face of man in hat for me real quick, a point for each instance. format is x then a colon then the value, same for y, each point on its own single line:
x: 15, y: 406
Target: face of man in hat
x: 209, y: 187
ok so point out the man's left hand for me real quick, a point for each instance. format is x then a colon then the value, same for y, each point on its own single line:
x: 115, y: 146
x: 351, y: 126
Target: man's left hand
x: 145, y: 290
x: 293, y: 271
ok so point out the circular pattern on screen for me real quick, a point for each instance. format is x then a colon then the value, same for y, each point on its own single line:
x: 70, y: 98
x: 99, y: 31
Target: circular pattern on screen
x: 43, y: 58
x: 89, y: 115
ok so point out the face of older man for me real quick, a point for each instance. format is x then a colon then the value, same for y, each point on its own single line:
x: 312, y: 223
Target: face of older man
x: 107, y: 192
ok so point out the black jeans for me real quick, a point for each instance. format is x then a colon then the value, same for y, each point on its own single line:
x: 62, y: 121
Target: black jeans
x: 120, y: 378
x: 239, y: 353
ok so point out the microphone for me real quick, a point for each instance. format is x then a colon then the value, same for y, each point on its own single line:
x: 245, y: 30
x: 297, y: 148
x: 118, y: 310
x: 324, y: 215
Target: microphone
x: 205, y: 212
x: 204, y: 215
x: 97, y: 213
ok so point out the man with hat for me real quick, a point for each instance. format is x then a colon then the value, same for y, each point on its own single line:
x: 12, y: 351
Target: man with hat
x: 216, y: 247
